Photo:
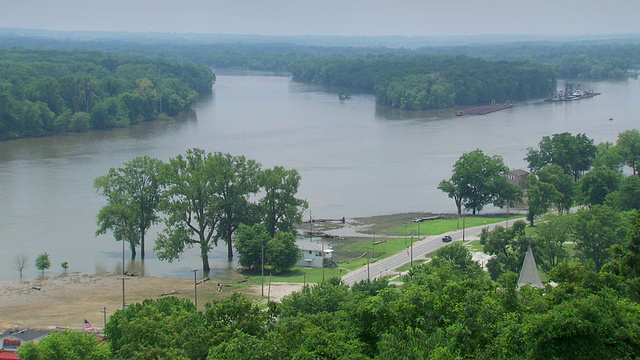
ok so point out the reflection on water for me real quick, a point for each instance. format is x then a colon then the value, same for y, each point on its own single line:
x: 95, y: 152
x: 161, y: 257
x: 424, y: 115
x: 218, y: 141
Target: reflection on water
x: 356, y: 158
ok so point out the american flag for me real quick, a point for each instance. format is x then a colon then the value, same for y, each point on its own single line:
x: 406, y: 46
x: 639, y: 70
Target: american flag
x: 87, y: 325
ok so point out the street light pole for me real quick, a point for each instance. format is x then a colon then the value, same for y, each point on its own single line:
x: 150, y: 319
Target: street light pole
x: 322, y: 242
x: 195, y: 288
x: 405, y: 233
x: 373, y: 245
x: 506, y: 225
x: 123, y: 272
x: 368, y: 271
x: 411, y: 248
x: 464, y: 213
x: 124, y: 304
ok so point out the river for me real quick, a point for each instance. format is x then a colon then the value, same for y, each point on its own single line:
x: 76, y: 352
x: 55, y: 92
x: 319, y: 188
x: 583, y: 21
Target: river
x: 356, y: 158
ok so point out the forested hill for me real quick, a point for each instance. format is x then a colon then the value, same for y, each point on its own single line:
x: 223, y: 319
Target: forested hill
x: 49, y: 92
x: 423, y: 82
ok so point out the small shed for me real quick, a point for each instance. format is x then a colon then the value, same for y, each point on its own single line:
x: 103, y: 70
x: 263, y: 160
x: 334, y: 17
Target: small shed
x: 311, y: 252
x: 518, y: 177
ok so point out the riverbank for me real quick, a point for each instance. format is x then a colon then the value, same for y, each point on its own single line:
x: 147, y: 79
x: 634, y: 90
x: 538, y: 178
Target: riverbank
x: 65, y: 301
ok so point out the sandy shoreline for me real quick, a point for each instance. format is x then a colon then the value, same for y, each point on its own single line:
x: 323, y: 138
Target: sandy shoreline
x: 65, y: 301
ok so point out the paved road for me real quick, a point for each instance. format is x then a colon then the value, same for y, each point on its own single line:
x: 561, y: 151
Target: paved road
x: 387, y: 266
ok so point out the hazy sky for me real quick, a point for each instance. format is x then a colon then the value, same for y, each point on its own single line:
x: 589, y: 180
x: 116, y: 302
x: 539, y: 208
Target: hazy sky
x: 329, y: 17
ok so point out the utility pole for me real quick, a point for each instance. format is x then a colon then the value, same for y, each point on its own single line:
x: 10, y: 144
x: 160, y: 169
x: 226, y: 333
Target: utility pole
x: 405, y: 233
x: 506, y: 225
x: 123, y: 272
x: 104, y: 312
x: 373, y: 245
x: 195, y: 288
x: 124, y: 304
x: 262, y: 270
x: 322, y: 241
x: 464, y: 213
x: 368, y: 272
x: 411, y: 248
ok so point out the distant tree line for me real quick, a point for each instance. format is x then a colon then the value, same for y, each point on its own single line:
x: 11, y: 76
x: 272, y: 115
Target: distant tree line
x: 570, y: 58
x: 49, y: 92
x: 427, y: 82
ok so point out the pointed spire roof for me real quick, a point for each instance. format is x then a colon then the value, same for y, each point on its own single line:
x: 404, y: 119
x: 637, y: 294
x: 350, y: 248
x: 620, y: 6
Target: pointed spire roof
x: 529, y: 273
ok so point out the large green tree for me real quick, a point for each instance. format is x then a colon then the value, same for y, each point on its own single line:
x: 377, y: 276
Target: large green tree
x: 608, y: 155
x: 282, y: 251
x: 574, y: 154
x: 565, y: 188
x: 628, y: 145
x: 251, y: 243
x: 479, y: 180
x: 626, y: 257
x: 133, y: 195
x: 549, y: 240
x: 628, y: 195
x: 255, y: 245
x: 540, y: 196
x: 279, y: 207
x: 238, y: 181
x: 595, y: 230
x: 597, y: 184
x: 192, y: 205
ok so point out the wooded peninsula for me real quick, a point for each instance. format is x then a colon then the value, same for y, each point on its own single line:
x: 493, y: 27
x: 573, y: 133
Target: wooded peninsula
x: 50, y: 92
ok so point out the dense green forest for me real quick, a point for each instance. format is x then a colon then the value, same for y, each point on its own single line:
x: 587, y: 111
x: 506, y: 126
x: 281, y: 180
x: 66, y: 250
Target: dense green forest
x: 424, y: 82
x: 571, y: 57
x: 49, y: 92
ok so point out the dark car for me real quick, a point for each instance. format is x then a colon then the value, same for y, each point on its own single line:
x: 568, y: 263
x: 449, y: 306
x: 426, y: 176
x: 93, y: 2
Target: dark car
x: 446, y: 238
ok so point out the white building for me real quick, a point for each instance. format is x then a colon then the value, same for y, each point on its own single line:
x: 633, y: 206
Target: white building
x: 311, y: 251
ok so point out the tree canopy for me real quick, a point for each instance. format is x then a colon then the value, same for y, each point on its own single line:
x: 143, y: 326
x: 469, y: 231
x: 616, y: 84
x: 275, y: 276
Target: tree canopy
x: 574, y: 154
x: 43, y: 262
x: 418, y: 82
x: 133, y: 197
x: 192, y: 203
x: 479, y: 180
x: 50, y: 92
x: 628, y: 145
x: 256, y: 247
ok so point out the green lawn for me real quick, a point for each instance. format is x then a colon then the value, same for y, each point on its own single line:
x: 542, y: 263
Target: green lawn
x: 297, y: 275
x: 353, y: 252
x: 440, y: 226
x: 474, y: 246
